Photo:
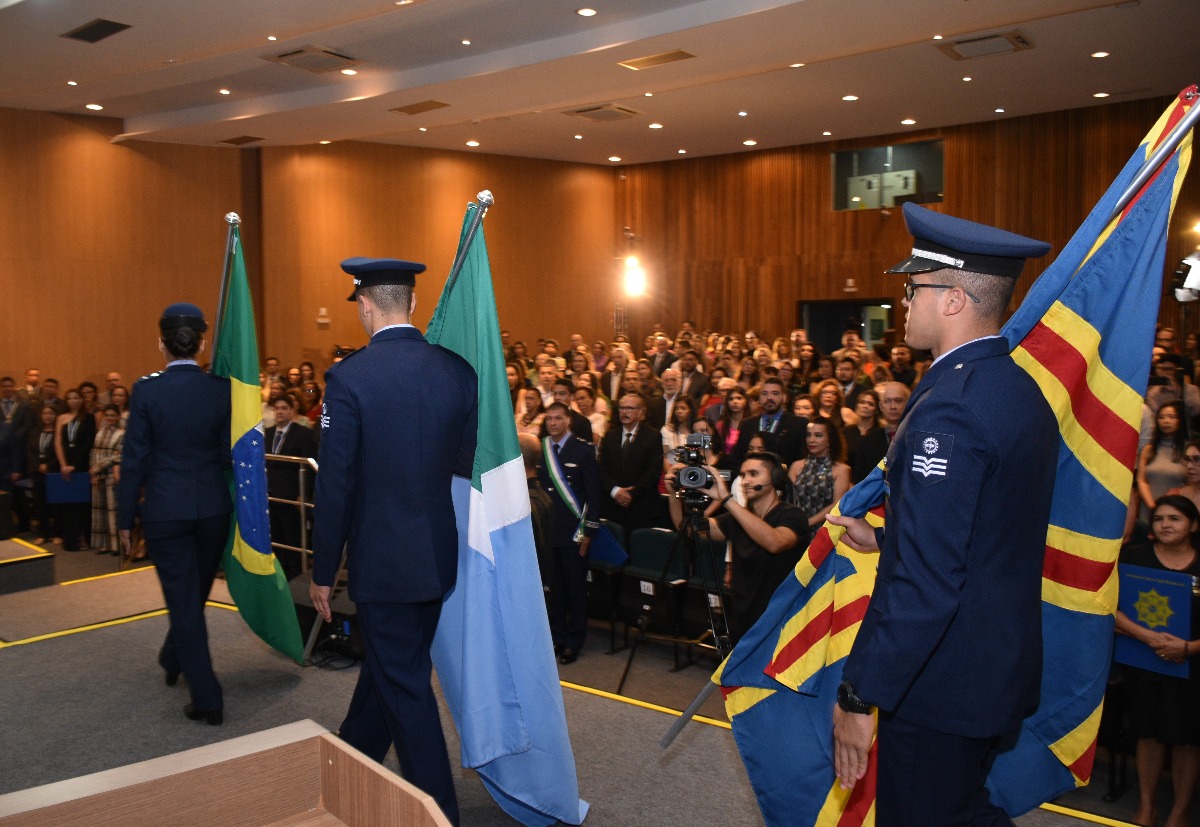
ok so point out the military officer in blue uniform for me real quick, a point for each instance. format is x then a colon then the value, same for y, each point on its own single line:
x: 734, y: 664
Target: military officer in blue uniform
x: 399, y: 420
x: 950, y: 649
x: 569, y: 461
x: 175, y: 456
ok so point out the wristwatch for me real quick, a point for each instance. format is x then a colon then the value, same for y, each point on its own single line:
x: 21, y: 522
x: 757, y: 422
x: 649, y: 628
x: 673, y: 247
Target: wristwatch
x: 850, y: 702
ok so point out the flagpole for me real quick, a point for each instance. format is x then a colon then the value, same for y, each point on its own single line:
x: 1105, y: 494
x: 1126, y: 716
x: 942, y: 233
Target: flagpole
x: 234, y: 221
x: 1151, y: 167
x: 485, y: 200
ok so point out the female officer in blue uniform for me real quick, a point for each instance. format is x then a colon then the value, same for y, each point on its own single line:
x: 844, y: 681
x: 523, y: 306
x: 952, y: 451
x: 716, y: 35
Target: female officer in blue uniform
x: 176, y: 454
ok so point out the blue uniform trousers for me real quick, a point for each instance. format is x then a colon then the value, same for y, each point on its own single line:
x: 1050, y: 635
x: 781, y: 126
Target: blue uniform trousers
x: 186, y: 555
x: 393, y: 702
x: 568, y: 597
x: 932, y: 779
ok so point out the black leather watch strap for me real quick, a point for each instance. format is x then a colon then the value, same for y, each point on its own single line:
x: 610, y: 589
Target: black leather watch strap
x: 850, y: 702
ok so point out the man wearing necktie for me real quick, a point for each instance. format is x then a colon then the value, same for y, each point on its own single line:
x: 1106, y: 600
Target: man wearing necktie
x: 630, y: 465
x: 789, y: 429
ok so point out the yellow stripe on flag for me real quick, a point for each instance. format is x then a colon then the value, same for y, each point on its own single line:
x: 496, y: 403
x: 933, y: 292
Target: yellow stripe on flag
x: 743, y: 698
x: 250, y: 559
x: 246, y: 409
x: 1102, y: 601
x: 1072, y: 746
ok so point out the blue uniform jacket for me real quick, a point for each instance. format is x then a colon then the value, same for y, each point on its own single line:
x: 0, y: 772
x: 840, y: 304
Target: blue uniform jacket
x: 952, y: 637
x: 399, y: 420
x: 176, y: 447
x: 578, y: 461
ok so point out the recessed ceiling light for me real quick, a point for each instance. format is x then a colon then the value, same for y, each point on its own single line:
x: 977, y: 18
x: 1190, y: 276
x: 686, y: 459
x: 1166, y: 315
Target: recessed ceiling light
x: 649, y: 94
x: 999, y: 110
x: 683, y: 152
x: 422, y: 129
x: 937, y: 37
x: 323, y: 143
x: 855, y: 198
x: 849, y: 97
x: 472, y: 143
x: 1100, y: 95
x: 750, y: 142
x: 95, y: 107
x: 743, y: 114
x: 826, y: 133
x: 272, y: 37
x: 404, y: 2
x: 72, y: 83
x: 614, y: 158
x: 656, y: 126
x: 224, y: 91
x: 796, y: 65
x: 1099, y: 54
x: 349, y: 71
x: 908, y: 122
x: 466, y: 43
x: 966, y: 80
x: 579, y: 137
x: 586, y: 12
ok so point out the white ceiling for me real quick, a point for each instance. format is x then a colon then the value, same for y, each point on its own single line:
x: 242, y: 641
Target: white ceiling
x: 532, y: 60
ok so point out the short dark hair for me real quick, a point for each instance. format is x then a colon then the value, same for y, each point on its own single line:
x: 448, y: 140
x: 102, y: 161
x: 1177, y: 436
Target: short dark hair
x: 773, y: 380
x: 588, y: 389
x: 390, y: 298
x: 558, y: 406
x: 849, y: 359
x: 285, y: 398
x: 111, y: 408
x: 564, y: 382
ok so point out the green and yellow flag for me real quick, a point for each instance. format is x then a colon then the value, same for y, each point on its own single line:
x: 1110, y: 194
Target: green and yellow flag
x: 254, y: 576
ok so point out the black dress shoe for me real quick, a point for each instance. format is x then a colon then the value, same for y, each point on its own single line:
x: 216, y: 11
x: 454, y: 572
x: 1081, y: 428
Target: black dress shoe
x: 213, y: 717
x: 567, y: 656
x: 172, y: 677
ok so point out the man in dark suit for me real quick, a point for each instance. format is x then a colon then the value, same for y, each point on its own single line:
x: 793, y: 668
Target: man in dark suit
x: 662, y: 358
x: 846, y: 373
x: 570, y: 462
x: 789, y: 429
x: 950, y: 649
x: 631, y: 457
x: 290, y: 439
x: 563, y: 392
x: 694, y: 383
x: 399, y: 421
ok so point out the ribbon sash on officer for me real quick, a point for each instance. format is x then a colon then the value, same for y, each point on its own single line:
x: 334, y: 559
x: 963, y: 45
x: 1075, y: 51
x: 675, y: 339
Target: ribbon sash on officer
x: 565, y: 492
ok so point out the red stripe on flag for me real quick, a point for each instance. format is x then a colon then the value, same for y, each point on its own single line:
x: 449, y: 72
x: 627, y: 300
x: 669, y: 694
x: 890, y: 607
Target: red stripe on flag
x: 850, y: 614
x: 1082, y: 768
x: 1102, y: 424
x: 726, y: 691
x: 1177, y: 114
x: 1075, y: 571
x: 820, y: 547
x: 816, y: 630
x: 863, y: 794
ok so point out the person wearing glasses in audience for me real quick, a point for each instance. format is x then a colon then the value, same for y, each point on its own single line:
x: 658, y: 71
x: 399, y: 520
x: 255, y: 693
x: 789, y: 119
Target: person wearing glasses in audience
x: 950, y: 650
x: 1191, y: 470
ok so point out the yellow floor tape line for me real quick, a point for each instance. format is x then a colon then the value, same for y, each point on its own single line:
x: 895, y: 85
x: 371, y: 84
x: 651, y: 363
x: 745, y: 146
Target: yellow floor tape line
x: 103, y: 576
x: 600, y: 693
x: 105, y: 624
x: 28, y: 544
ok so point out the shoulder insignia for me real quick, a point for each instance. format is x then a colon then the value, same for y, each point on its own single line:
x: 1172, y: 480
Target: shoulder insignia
x: 149, y: 376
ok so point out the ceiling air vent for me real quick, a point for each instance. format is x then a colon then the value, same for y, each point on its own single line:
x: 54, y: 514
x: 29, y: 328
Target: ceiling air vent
x: 656, y: 60
x: 95, y: 31
x: 992, y: 44
x: 607, y: 113
x: 242, y: 140
x: 419, y: 107
x: 315, y: 59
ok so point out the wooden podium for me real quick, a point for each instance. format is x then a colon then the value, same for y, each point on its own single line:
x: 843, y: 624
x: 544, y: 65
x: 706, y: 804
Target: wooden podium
x: 294, y: 775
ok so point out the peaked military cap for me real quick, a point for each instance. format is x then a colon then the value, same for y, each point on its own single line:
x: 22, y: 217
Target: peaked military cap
x: 182, y: 314
x: 369, y: 272
x: 944, y: 241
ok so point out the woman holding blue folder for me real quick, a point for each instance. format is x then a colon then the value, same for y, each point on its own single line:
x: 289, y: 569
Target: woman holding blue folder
x: 1165, y: 710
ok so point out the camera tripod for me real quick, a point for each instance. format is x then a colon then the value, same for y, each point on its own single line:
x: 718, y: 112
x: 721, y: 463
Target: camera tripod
x: 694, y: 524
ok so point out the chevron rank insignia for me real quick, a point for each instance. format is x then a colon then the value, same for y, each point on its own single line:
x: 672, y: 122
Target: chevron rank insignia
x: 931, y: 460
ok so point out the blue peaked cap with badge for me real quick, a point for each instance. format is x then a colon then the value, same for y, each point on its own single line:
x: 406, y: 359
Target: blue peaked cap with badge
x: 943, y: 241
x: 369, y: 272
x: 182, y: 314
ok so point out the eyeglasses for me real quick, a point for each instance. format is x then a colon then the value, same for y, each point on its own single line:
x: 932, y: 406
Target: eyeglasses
x: 628, y: 408
x: 910, y: 290
x: 1189, y: 459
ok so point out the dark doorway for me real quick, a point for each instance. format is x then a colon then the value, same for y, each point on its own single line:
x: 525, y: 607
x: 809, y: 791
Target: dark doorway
x: 826, y: 321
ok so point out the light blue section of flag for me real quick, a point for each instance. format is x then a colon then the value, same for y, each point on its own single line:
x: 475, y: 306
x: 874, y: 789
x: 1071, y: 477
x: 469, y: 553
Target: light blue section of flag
x: 493, y: 652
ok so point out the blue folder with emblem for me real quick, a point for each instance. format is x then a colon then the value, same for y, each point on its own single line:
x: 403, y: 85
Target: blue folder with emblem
x: 606, y: 549
x: 1158, y: 600
x: 78, y: 489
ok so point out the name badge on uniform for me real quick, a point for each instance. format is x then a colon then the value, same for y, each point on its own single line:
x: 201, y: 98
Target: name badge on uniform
x: 931, y: 457
x: 324, y: 416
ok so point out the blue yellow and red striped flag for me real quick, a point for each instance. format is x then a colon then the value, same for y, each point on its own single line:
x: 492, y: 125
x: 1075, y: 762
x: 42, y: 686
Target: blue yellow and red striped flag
x: 1084, y: 333
x: 254, y: 576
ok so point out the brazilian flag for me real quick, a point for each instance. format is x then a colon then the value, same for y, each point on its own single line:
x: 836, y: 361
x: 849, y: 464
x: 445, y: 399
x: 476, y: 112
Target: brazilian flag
x: 254, y: 576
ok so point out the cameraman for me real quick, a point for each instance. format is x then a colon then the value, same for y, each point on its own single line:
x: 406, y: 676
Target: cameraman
x: 765, y: 533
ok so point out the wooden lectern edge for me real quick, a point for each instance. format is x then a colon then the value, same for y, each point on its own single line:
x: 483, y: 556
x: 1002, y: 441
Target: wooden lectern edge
x: 104, y: 781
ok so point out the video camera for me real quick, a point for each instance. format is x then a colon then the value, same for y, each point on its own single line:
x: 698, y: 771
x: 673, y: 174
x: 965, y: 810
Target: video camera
x: 693, y: 479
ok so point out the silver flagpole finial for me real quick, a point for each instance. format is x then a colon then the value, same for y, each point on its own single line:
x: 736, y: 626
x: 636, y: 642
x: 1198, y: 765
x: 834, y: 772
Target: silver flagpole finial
x: 485, y: 198
x: 232, y: 218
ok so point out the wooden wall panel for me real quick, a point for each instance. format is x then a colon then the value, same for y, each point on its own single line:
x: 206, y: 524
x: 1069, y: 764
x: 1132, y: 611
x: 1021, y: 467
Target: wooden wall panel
x: 550, y: 237
x: 96, y: 238
x: 738, y: 241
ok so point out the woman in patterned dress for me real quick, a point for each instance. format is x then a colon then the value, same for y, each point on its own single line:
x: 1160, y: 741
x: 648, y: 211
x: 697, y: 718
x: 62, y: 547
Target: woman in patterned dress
x: 821, y: 479
x: 106, y: 470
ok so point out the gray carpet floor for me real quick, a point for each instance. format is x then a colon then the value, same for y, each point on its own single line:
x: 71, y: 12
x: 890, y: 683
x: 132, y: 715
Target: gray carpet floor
x: 94, y: 700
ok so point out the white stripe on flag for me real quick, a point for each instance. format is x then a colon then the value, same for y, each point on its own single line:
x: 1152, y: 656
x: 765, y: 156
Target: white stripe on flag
x: 503, y: 501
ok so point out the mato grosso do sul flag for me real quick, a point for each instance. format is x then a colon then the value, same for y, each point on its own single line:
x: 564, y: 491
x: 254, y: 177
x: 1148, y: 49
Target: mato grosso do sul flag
x: 254, y: 576
x: 493, y: 653
x: 1084, y: 333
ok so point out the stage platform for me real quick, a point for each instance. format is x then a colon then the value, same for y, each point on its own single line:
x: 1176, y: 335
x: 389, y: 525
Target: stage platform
x: 24, y: 566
